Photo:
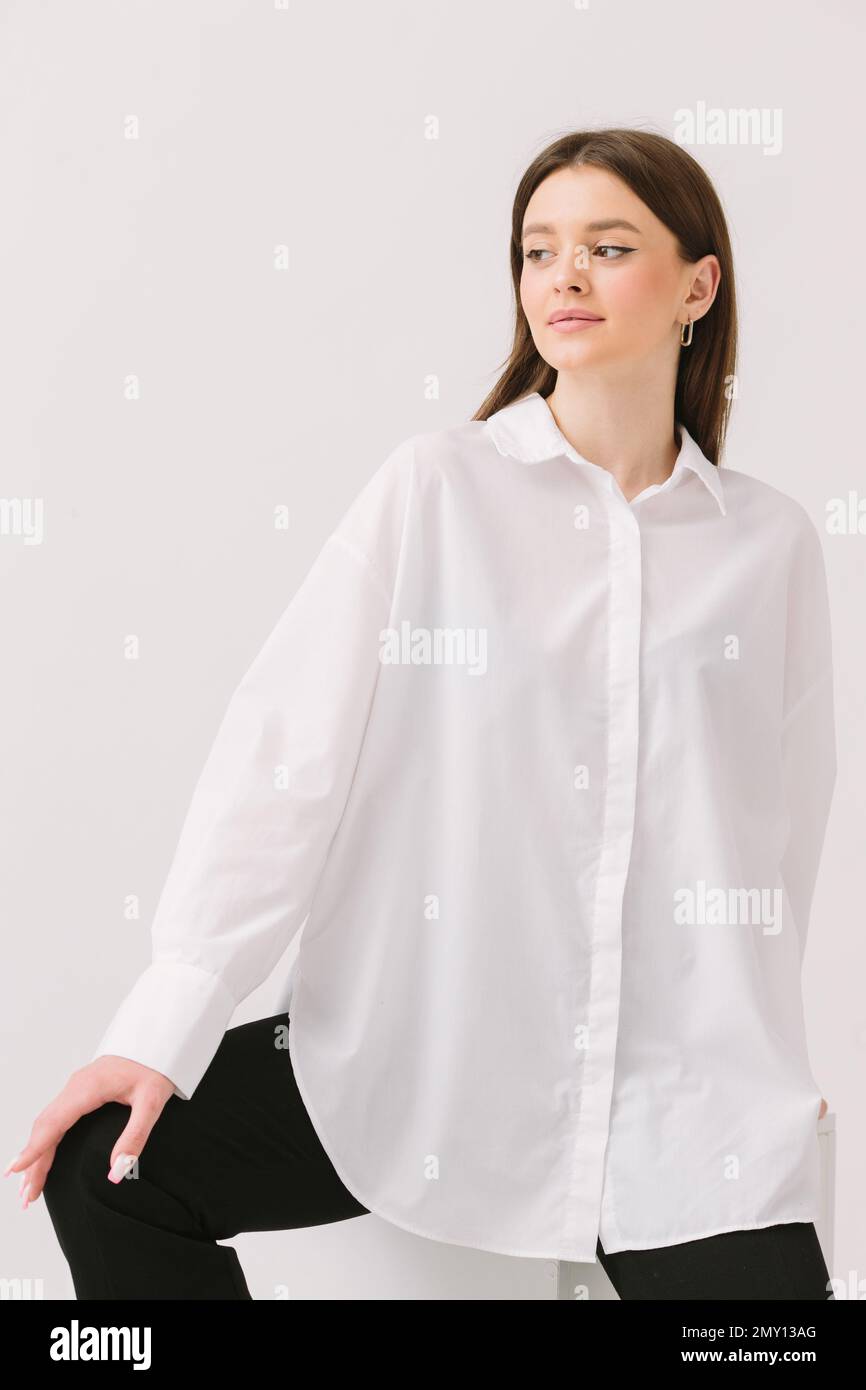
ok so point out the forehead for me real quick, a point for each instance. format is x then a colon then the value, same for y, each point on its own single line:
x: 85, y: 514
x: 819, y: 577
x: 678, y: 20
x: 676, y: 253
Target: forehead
x: 586, y: 200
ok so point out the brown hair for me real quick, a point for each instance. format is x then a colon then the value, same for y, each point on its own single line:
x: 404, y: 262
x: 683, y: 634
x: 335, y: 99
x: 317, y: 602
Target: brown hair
x: 679, y: 191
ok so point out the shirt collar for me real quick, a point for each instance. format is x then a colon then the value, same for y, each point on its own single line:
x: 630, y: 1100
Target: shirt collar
x: 526, y: 430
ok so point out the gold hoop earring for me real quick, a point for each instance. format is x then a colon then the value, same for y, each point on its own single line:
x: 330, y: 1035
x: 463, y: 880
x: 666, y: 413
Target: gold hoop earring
x: 686, y: 341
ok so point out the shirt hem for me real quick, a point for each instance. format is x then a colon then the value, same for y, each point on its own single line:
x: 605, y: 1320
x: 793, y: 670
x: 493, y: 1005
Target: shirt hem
x: 355, y: 1191
x: 705, y: 1235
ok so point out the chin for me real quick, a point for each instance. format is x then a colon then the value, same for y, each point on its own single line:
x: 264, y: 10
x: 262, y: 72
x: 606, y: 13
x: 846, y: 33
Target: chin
x: 573, y: 356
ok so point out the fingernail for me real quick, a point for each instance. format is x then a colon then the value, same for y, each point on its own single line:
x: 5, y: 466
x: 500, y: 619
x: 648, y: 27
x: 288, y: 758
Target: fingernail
x: 9, y: 1164
x: 120, y: 1166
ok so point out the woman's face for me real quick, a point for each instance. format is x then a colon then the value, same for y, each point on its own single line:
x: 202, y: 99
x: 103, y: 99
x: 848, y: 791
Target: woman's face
x: 626, y: 271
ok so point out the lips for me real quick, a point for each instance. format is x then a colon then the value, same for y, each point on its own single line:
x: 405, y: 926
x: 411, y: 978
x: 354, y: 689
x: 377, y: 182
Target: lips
x: 563, y: 314
x: 573, y: 324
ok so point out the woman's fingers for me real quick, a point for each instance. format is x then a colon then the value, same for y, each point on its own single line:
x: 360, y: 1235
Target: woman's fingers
x: 33, y: 1179
x: 148, y: 1103
x: 107, y: 1078
x: 35, y: 1159
x: 52, y: 1123
x: 85, y: 1090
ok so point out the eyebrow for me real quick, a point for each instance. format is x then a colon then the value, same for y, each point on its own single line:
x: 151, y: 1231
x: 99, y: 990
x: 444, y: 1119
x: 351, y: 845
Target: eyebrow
x: 606, y: 224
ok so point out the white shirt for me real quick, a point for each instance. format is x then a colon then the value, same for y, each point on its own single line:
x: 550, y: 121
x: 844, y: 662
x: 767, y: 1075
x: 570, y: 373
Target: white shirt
x: 554, y: 869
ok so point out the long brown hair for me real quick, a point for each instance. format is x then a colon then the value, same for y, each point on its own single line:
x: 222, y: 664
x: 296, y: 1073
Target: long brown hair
x: 676, y: 188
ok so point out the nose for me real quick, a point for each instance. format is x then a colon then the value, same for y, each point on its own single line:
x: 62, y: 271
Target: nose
x: 573, y: 271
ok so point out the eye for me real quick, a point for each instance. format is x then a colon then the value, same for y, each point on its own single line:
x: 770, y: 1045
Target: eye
x: 537, y: 252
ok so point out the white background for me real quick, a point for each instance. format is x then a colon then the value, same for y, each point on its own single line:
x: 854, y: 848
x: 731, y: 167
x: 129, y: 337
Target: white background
x: 381, y: 145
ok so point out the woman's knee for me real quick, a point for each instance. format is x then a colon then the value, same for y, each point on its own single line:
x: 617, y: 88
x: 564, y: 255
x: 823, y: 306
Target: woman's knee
x: 83, y: 1154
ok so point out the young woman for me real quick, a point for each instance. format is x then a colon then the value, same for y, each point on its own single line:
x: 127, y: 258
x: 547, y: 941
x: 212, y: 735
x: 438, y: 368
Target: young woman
x: 540, y: 755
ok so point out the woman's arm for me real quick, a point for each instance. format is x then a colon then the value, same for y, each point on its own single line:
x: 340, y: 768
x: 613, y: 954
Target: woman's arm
x: 809, y: 760
x: 257, y: 832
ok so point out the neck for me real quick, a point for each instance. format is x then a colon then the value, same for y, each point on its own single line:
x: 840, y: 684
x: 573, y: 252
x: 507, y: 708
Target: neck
x: 630, y: 433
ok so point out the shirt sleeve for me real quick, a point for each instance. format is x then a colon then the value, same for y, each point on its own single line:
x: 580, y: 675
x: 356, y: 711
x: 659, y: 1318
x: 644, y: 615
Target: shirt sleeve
x: 267, y: 802
x: 808, y: 735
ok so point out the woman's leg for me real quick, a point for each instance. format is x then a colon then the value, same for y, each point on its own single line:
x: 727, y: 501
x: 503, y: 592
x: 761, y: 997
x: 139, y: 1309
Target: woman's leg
x: 240, y: 1155
x: 776, y: 1262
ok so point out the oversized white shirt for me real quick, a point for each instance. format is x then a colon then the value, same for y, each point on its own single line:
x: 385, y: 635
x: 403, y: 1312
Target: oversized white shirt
x: 543, y: 774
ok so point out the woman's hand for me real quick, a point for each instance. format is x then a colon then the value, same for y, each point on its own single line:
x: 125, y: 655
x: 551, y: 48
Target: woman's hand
x: 106, y: 1079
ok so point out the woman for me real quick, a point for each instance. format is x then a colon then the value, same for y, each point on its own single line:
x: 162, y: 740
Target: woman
x: 541, y: 754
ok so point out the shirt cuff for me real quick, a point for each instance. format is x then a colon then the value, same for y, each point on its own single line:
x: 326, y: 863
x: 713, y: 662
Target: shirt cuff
x: 172, y: 1020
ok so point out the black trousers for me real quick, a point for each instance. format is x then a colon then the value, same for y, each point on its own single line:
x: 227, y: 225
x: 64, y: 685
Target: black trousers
x: 242, y: 1155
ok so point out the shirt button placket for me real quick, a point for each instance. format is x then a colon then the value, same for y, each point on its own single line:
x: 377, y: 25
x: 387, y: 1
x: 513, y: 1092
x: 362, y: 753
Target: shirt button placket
x: 615, y: 835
